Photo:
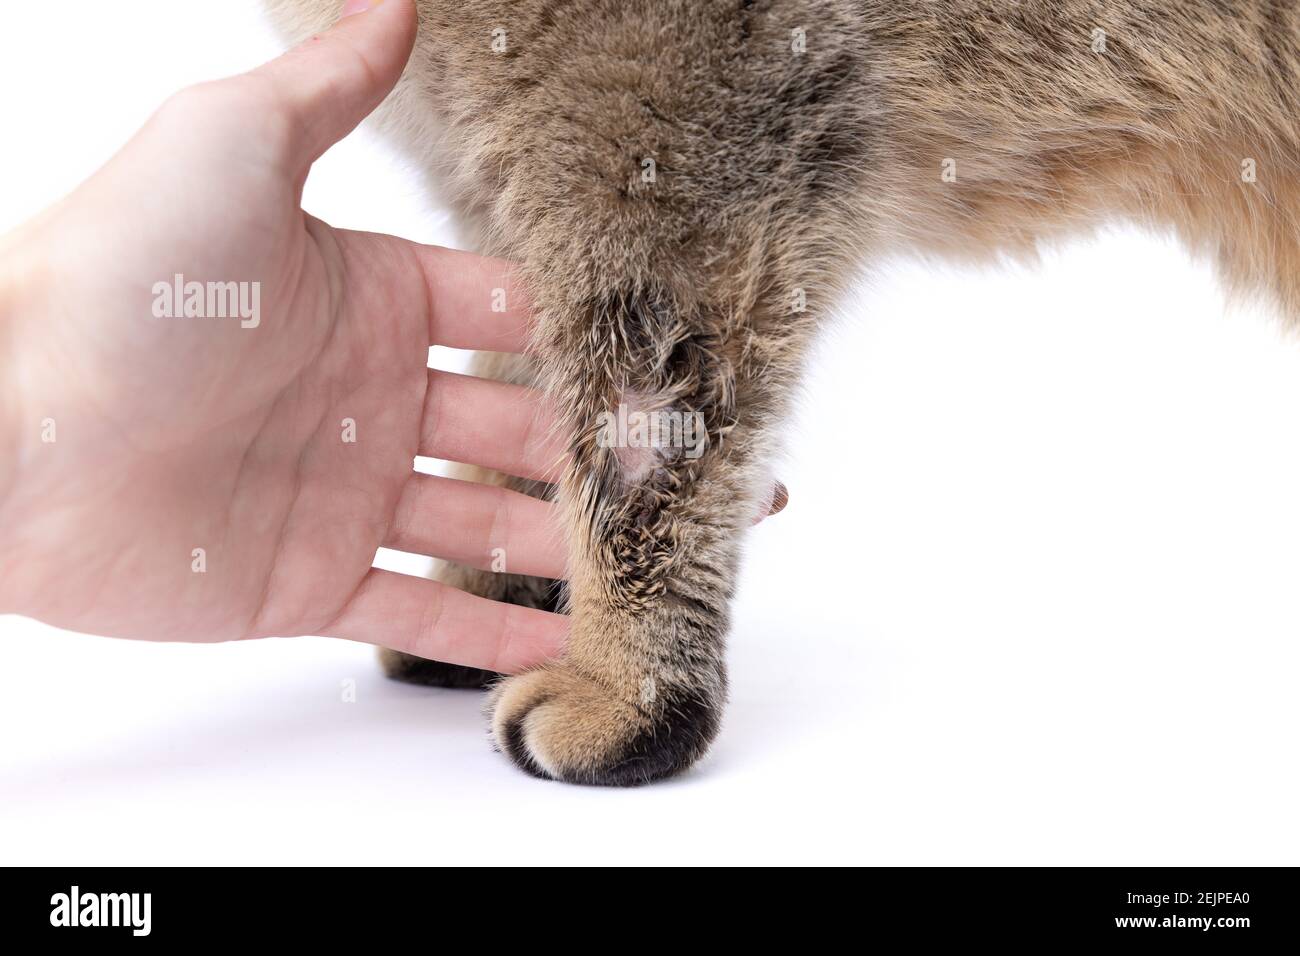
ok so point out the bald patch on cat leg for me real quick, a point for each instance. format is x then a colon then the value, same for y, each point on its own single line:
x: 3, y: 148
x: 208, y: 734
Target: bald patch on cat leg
x: 646, y: 432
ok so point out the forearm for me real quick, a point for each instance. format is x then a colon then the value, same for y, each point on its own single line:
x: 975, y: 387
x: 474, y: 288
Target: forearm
x: 10, y: 444
x: 10, y: 415
x: 20, y: 279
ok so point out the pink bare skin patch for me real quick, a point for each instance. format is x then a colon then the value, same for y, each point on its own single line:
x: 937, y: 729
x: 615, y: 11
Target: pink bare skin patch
x: 645, y: 433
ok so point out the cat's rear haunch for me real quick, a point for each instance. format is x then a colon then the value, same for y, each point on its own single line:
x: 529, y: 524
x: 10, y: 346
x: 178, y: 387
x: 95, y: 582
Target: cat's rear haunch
x: 689, y: 185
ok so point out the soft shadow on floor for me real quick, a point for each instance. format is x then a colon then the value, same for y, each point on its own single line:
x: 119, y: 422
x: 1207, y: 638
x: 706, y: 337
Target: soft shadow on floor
x: 268, y: 728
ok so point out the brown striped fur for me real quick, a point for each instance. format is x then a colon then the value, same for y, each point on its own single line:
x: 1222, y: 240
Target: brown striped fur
x: 778, y: 171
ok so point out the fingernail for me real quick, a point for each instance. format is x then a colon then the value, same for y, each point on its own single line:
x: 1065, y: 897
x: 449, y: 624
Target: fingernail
x: 353, y: 7
x: 780, y: 498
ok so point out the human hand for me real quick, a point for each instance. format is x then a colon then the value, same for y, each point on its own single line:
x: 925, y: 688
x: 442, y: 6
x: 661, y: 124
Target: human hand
x: 223, y: 478
x: 173, y: 435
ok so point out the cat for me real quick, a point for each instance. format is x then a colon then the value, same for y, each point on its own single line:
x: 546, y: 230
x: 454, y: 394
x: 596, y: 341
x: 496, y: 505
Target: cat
x: 689, y: 185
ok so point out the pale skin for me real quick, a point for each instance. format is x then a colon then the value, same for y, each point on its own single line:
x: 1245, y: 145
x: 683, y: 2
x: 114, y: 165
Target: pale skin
x: 193, y: 479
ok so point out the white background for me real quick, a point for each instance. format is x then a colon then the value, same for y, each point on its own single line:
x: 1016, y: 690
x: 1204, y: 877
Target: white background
x: 1034, y: 599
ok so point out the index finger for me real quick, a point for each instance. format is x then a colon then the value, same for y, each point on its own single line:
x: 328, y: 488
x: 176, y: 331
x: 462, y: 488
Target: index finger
x: 475, y: 302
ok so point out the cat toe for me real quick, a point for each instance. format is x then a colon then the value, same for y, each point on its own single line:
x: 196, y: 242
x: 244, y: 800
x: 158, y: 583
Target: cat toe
x: 559, y: 725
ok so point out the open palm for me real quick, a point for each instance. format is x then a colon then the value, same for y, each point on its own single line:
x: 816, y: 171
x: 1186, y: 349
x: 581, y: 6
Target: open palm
x: 268, y: 452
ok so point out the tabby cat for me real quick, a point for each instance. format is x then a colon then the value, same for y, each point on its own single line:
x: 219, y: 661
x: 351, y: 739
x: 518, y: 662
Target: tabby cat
x: 688, y: 186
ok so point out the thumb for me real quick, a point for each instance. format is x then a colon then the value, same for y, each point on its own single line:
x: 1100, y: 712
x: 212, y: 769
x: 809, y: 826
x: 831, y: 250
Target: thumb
x: 333, y: 81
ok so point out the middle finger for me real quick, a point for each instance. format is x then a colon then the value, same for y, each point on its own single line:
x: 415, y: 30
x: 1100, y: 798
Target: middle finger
x: 483, y: 526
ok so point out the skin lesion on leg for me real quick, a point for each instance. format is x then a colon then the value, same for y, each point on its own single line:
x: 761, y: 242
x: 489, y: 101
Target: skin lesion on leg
x: 654, y: 536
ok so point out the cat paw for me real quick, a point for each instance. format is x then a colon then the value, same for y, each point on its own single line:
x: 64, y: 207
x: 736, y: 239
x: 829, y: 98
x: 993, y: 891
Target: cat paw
x: 557, y: 724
